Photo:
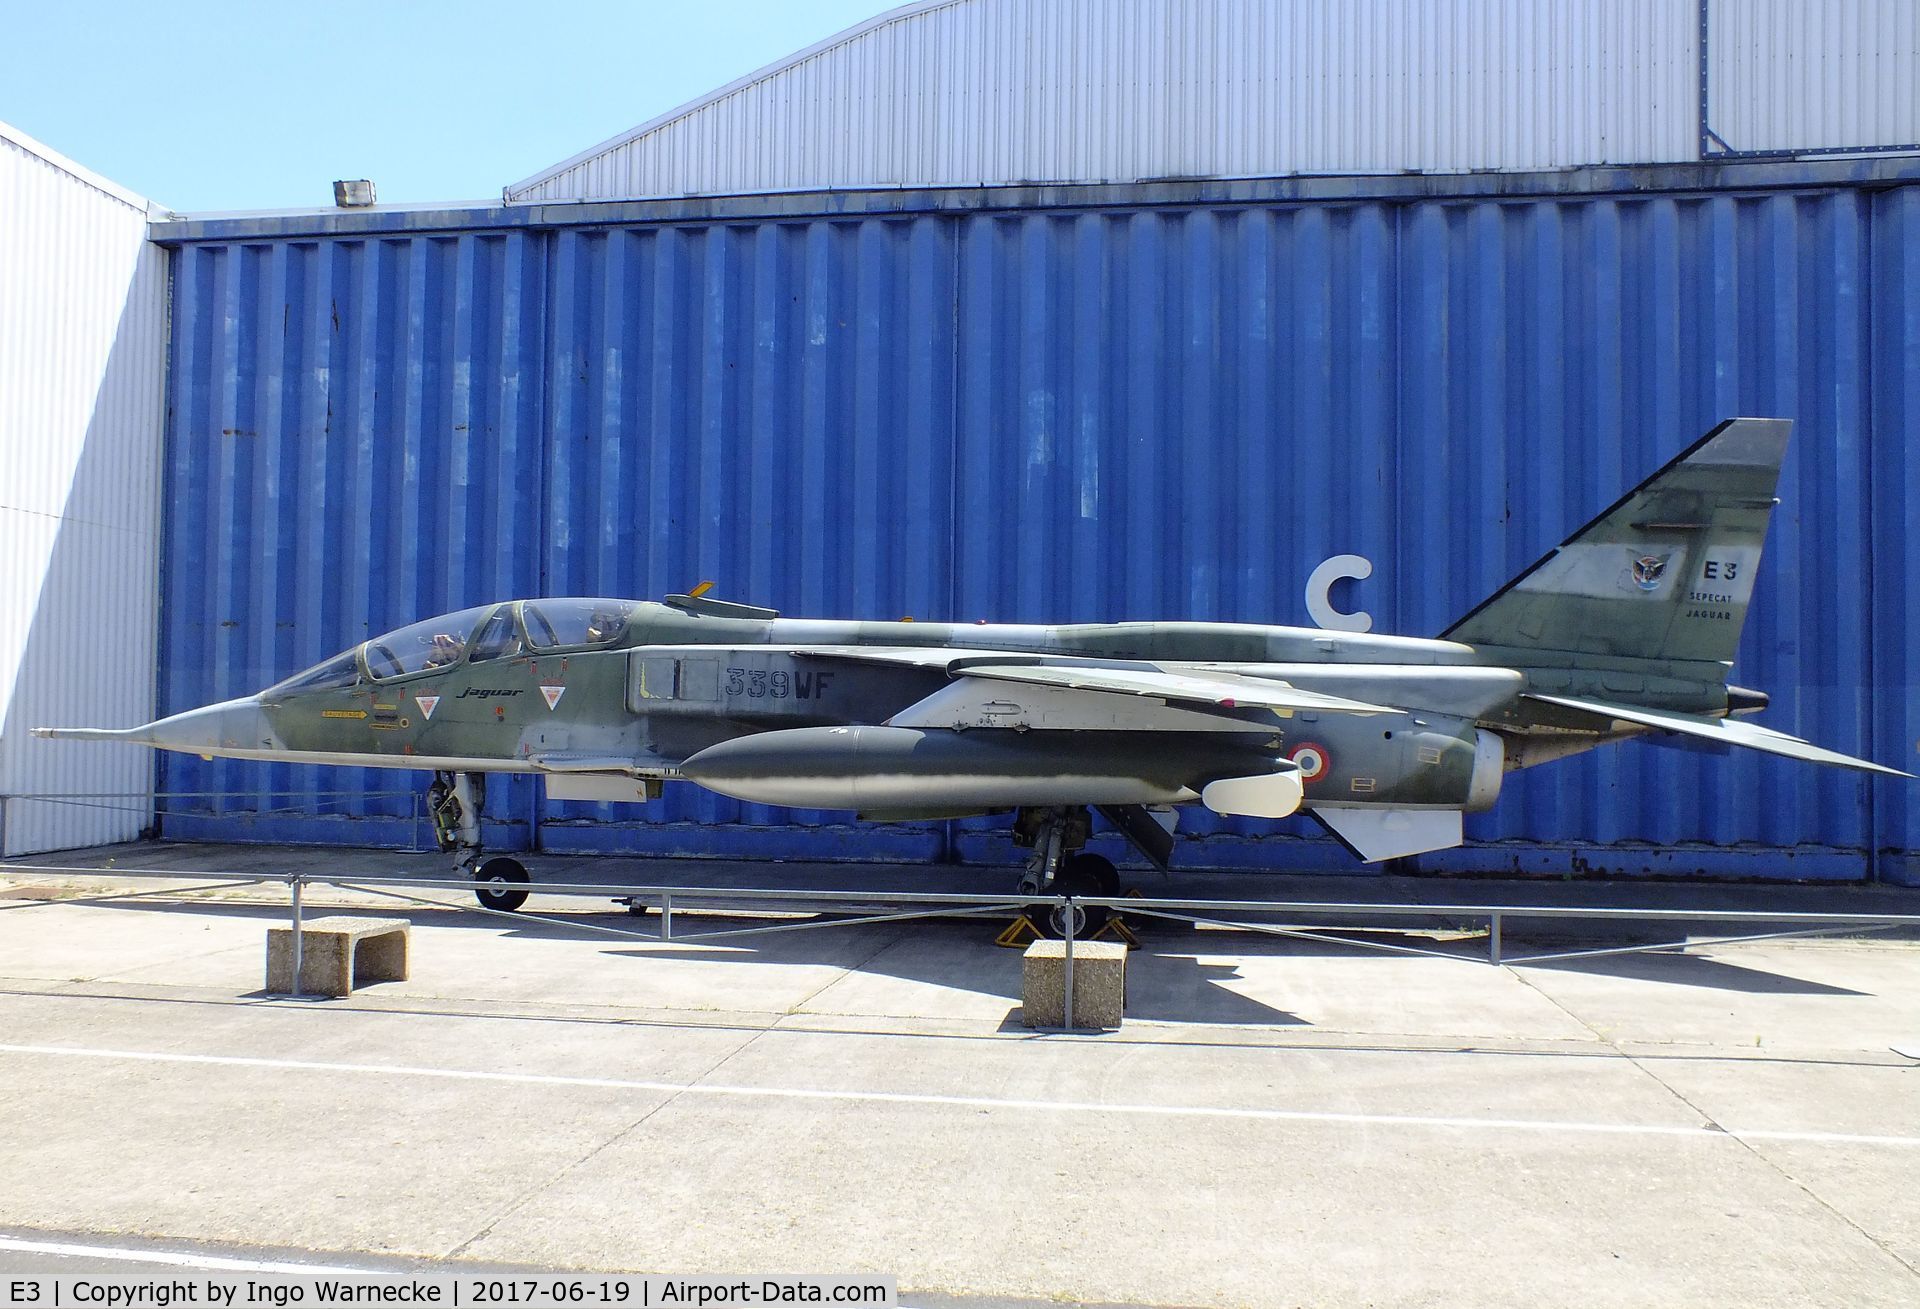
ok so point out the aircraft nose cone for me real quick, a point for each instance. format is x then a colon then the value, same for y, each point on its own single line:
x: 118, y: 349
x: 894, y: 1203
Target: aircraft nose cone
x: 215, y: 729
x: 234, y: 728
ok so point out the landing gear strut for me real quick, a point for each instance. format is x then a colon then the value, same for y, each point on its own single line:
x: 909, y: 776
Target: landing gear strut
x: 1060, y: 865
x: 455, y: 800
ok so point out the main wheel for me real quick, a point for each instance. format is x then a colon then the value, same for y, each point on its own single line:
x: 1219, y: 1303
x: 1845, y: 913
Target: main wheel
x: 1083, y: 874
x: 1100, y: 868
x: 500, y: 882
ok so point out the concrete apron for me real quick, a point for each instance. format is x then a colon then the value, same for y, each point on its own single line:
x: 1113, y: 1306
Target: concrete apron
x: 1279, y: 1120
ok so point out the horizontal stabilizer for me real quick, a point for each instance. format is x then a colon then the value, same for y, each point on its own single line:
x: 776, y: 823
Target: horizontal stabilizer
x: 1725, y: 731
x: 1374, y: 833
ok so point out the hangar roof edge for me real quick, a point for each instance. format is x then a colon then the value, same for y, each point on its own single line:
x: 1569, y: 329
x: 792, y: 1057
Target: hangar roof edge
x: 1875, y: 172
x: 80, y: 173
x: 846, y: 36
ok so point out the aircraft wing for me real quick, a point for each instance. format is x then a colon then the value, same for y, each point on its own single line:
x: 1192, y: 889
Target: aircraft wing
x: 1726, y: 731
x: 1209, y: 688
x: 561, y: 761
x: 908, y: 656
x: 1206, y: 687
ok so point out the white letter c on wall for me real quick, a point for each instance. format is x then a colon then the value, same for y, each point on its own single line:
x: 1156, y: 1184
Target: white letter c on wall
x: 1320, y: 586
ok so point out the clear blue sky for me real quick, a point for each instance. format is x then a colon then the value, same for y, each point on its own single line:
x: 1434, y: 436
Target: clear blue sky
x: 221, y: 104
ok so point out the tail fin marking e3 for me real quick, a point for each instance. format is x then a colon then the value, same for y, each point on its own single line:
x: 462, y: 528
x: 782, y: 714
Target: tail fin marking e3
x: 1665, y: 574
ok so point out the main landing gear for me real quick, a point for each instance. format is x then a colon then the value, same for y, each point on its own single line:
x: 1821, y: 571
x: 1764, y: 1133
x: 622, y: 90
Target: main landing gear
x: 454, y: 800
x: 1060, y: 865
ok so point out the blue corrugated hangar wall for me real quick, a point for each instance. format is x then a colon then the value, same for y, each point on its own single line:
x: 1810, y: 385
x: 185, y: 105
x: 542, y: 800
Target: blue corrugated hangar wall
x: 1059, y: 404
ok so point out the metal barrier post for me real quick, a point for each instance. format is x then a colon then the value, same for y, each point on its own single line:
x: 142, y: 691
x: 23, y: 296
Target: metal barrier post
x: 1067, y: 1018
x: 296, y: 881
x: 1493, y: 939
x: 666, y: 915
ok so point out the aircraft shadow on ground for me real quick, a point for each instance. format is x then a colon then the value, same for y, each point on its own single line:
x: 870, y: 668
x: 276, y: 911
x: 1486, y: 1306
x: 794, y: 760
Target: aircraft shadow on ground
x: 1690, y: 968
x: 1171, y: 979
x: 1163, y: 984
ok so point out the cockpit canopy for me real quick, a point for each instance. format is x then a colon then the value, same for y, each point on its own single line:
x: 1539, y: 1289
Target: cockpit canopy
x: 485, y: 632
x: 433, y: 643
x: 327, y: 675
x: 562, y: 624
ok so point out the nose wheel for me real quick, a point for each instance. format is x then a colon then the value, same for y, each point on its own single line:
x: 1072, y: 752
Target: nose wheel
x: 454, y: 802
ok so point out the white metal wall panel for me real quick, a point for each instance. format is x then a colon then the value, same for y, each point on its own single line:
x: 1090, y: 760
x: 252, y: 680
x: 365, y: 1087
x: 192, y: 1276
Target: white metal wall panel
x: 1786, y: 75
x: 984, y: 92
x: 82, y: 348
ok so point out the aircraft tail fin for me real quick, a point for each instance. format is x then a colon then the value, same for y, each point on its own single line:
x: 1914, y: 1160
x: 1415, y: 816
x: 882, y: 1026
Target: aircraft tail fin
x: 1665, y: 574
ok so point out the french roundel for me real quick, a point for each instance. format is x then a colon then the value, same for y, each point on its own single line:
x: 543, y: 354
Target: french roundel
x: 1311, y: 758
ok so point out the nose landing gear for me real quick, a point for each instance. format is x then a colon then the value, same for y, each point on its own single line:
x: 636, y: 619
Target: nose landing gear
x: 454, y: 800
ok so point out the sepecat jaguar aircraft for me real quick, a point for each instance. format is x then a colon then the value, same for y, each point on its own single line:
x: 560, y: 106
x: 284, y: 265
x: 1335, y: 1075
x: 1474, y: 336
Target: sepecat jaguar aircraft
x: 1626, y: 629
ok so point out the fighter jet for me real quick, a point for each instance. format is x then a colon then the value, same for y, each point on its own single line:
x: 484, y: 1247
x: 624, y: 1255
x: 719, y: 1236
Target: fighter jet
x: 1628, y: 628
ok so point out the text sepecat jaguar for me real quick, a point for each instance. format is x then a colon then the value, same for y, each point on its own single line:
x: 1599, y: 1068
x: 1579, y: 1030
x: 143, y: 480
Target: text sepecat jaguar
x: 1628, y: 628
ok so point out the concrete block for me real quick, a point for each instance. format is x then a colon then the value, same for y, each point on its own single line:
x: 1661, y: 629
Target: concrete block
x: 337, y: 952
x: 1099, y: 984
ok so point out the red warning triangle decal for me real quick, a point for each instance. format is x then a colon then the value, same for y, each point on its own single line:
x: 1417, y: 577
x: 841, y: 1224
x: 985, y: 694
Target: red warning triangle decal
x: 552, y: 694
x: 428, y: 703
